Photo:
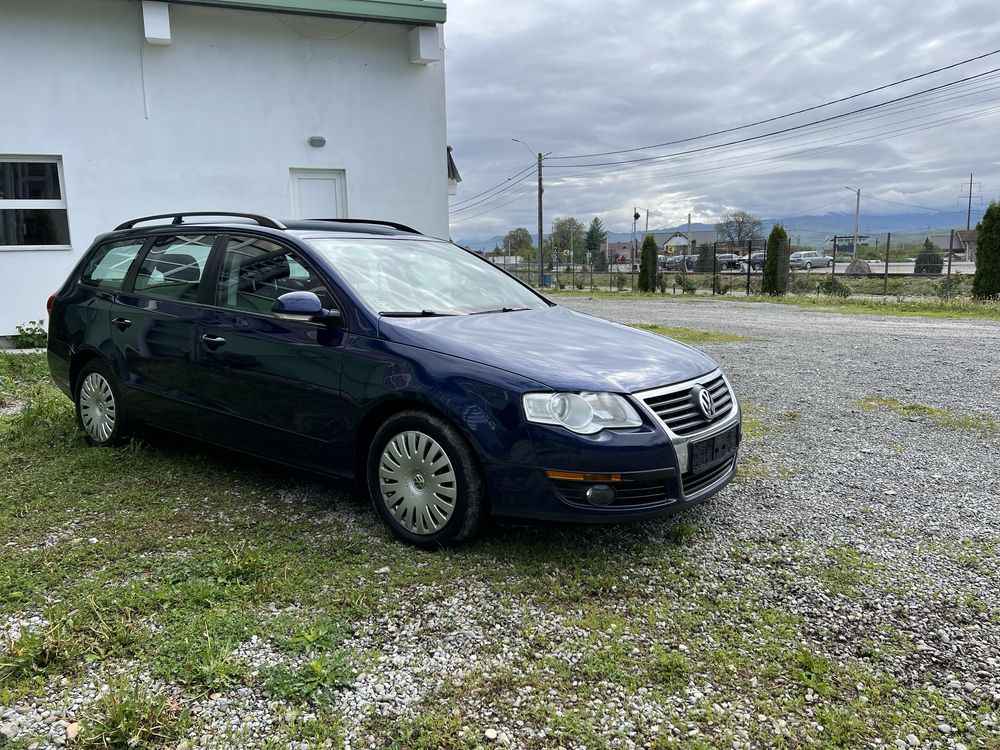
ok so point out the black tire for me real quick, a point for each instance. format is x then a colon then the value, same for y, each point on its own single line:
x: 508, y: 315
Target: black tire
x: 809, y: 266
x: 469, y: 504
x: 829, y: 263
x: 98, y: 373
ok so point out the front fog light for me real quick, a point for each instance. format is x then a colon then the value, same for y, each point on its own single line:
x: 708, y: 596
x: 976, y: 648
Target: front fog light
x: 601, y: 494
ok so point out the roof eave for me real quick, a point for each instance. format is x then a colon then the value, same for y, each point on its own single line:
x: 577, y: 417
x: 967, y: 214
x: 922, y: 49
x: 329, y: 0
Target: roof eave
x: 412, y: 12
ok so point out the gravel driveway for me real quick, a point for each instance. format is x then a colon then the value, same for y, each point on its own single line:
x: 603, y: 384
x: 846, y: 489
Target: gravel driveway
x: 844, y: 591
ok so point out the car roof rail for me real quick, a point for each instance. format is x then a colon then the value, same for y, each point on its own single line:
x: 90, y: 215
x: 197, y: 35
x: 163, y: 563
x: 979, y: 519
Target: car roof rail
x: 178, y: 218
x: 393, y: 224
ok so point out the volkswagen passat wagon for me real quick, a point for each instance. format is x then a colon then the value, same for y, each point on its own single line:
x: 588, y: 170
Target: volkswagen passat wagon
x: 363, y: 349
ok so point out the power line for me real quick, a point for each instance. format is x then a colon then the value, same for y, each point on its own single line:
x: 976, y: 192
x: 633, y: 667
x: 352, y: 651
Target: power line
x: 501, y: 184
x: 786, y: 115
x: 508, y: 186
x: 775, y: 132
x: 773, y: 155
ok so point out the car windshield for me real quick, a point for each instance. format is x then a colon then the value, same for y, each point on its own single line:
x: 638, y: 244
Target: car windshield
x: 422, y: 277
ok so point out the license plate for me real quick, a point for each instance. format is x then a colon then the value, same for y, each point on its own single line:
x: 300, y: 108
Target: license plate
x: 714, y: 450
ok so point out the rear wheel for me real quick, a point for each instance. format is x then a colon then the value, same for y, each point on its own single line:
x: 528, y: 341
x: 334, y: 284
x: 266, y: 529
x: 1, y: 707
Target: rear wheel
x: 99, y: 410
x: 809, y: 266
x: 424, y: 481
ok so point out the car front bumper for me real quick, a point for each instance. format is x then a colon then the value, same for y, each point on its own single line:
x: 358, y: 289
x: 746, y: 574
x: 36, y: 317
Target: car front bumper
x: 648, y: 468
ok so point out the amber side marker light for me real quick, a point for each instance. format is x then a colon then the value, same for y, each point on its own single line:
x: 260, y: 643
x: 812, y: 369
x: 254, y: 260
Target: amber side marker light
x: 579, y: 476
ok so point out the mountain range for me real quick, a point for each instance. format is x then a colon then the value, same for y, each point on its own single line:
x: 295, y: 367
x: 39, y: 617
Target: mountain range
x: 809, y: 230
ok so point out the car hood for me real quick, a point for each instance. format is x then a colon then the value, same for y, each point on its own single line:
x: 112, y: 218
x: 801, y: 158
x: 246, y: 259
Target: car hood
x: 557, y: 347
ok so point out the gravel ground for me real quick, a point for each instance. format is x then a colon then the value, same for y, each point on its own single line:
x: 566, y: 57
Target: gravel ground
x: 878, y: 533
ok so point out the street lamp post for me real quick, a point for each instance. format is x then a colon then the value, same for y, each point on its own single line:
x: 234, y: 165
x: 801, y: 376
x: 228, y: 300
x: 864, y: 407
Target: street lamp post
x: 541, y: 261
x: 857, y: 221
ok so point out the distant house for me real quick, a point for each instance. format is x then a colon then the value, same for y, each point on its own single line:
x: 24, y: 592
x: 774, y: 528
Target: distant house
x: 618, y: 251
x: 116, y: 109
x: 673, y: 243
x: 964, y: 242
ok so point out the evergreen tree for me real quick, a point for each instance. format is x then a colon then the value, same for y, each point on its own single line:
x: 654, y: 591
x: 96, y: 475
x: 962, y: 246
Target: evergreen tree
x: 704, y: 264
x: 986, y: 282
x: 594, y: 240
x: 929, y: 260
x: 775, y: 279
x: 647, y: 265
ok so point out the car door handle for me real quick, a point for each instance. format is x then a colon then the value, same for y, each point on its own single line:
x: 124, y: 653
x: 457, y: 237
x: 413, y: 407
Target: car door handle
x: 212, y: 342
x: 121, y: 323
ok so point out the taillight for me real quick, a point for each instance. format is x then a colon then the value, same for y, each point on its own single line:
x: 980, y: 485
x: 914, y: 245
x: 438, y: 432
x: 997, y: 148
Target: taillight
x: 49, y: 303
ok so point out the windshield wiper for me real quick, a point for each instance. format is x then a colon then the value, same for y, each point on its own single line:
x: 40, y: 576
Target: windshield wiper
x: 500, y: 310
x: 413, y: 314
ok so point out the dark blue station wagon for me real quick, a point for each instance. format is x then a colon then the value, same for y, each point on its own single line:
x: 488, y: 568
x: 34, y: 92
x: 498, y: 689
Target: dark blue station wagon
x: 363, y: 349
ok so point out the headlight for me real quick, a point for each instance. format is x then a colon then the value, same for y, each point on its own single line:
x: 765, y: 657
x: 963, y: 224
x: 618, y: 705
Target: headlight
x: 583, y: 413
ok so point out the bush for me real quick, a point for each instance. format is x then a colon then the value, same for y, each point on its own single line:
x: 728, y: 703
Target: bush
x: 687, y: 285
x: 31, y: 335
x: 986, y: 283
x: 929, y: 260
x: 620, y: 281
x: 834, y: 287
x: 718, y: 286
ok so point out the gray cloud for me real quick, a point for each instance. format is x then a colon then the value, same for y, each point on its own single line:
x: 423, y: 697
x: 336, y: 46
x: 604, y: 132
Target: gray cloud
x: 575, y: 77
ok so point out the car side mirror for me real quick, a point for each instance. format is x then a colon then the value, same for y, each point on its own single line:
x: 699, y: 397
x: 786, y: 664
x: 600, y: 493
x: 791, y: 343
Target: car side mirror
x: 304, y: 307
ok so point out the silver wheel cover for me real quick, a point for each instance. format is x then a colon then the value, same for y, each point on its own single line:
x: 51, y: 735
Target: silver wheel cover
x: 97, y: 407
x: 417, y: 482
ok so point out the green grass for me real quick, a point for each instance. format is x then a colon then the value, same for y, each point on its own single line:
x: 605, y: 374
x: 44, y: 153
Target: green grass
x: 691, y: 335
x: 928, y: 307
x: 946, y: 418
x: 129, y: 715
x: 166, y: 560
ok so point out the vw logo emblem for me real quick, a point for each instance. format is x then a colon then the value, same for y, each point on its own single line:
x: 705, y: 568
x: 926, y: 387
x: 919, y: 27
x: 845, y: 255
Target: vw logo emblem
x: 705, y: 402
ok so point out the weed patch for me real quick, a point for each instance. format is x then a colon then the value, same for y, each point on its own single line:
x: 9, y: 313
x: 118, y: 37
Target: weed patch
x: 691, y: 335
x: 946, y: 418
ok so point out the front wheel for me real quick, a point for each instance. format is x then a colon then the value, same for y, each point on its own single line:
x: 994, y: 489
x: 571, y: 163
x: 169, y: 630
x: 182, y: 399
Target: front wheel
x: 809, y: 266
x: 99, y: 409
x: 424, y: 481
x: 829, y: 263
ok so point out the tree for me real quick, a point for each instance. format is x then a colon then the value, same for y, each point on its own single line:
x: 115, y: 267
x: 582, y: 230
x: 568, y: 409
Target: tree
x: 775, y: 279
x: 705, y: 257
x: 647, y: 265
x: 739, y: 227
x: 564, y: 228
x: 596, y: 236
x: 986, y: 282
x: 929, y: 260
x: 517, y: 239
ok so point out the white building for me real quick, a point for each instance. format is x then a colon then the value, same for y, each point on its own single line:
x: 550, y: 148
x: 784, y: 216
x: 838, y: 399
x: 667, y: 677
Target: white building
x: 293, y: 108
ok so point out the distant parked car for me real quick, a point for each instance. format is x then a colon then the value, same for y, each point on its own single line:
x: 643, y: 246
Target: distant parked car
x: 756, y: 261
x: 674, y: 262
x: 809, y: 259
x: 726, y: 261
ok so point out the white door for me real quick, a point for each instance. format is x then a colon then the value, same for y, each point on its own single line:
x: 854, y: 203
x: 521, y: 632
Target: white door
x: 319, y: 193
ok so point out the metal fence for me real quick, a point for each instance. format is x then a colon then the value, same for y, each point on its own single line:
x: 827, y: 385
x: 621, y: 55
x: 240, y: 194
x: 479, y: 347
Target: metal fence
x: 883, y: 269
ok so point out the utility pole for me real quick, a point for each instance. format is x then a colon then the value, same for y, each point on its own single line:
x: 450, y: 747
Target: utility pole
x: 857, y: 222
x: 968, y: 218
x: 541, y: 254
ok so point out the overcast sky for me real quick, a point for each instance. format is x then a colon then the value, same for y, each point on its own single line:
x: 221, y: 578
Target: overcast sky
x: 579, y: 77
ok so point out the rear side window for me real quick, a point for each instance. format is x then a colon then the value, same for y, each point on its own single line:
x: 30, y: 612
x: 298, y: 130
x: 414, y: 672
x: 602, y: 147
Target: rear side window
x: 108, y: 266
x: 174, y: 266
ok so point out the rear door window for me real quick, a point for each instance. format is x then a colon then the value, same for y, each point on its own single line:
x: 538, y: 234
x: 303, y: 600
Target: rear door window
x: 174, y: 266
x: 109, y: 264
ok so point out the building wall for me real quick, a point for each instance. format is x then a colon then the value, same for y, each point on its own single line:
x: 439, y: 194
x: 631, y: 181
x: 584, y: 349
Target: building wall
x: 213, y: 121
